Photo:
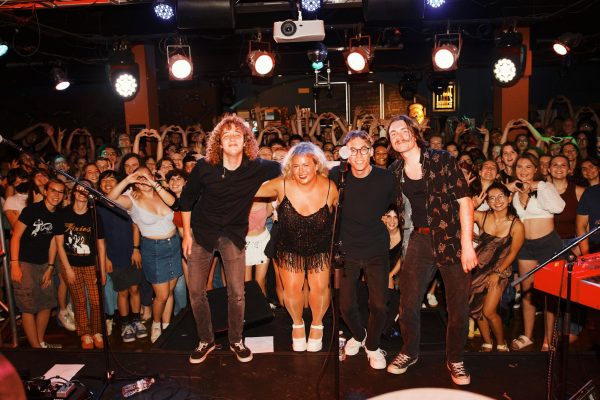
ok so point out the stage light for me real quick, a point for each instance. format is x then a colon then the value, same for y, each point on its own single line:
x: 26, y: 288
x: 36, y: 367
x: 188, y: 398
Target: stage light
x: 260, y: 59
x: 179, y: 62
x: 446, y: 52
x: 408, y: 86
x: 123, y: 72
x: 3, y: 48
x: 262, y: 63
x: 565, y: 42
x: 311, y: 6
x: 317, y: 56
x: 439, y: 82
x: 359, y: 56
x: 435, y: 3
x: 59, y: 78
x: 510, y: 58
x: 164, y: 9
x: 505, y: 70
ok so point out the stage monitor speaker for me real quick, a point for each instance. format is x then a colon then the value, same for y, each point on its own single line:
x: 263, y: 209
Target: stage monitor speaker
x: 392, y: 11
x: 205, y: 14
x: 257, y: 308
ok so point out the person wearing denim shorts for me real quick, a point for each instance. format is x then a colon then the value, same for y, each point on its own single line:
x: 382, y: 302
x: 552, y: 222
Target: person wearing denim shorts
x: 33, y: 251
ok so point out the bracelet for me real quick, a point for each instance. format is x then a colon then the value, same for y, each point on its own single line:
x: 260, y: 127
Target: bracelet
x: 14, y: 260
x: 51, y: 266
x: 136, y: 247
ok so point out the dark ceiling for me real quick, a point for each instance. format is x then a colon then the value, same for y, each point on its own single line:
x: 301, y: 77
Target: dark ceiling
x: 81, y: 36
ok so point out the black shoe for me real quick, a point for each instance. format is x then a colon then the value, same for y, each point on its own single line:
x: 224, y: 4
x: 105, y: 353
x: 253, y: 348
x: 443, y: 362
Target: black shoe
x: 242, y: 353
x: 199, y: 354
x: 401, y: 364
x: 459, y: 373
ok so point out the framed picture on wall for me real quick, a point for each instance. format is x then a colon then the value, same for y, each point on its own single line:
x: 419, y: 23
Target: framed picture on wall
x: 445, y: 101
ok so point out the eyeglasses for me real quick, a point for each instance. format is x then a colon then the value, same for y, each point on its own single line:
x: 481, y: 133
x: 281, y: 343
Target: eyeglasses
x: 109, y: 153
x: 363, y: 150
x: 493, y: 199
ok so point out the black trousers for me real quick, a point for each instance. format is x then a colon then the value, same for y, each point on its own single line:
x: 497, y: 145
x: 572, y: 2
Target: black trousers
x: 417, y: 272
x: 376, y: 273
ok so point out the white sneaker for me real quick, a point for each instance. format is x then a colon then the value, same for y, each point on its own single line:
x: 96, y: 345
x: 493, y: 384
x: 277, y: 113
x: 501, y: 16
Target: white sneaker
x: 66, y: 321
x: 376, y: 358
x: 155, y: 331
x: 353, y: 346
x: 109, y: 326
x: 432, y: 300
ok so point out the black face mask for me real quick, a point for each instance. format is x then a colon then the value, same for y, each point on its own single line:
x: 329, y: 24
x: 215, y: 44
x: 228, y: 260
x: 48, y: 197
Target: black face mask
x: 22, y: 187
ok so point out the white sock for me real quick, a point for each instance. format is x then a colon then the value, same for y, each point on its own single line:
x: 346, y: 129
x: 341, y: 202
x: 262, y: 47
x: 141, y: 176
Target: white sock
x: 155, y: 325
x: 165, y: 326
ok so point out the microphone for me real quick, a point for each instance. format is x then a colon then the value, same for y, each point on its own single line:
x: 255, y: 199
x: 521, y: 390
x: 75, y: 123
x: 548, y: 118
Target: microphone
x: 11, y: 144
x: 344, y: 152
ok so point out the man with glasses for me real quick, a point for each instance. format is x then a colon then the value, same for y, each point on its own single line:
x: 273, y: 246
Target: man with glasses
x: 215, y: 204
x: 32, y: 255
x: 365, y: 243
x: 442, y: 215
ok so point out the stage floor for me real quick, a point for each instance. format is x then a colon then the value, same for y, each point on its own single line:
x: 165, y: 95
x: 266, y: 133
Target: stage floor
x: 284, y: 374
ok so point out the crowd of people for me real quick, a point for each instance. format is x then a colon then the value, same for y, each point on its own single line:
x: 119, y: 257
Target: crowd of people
x: 461, y: 203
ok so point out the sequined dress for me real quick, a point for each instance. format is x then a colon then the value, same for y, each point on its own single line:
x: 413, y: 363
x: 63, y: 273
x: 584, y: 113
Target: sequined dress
x: 303, y: 243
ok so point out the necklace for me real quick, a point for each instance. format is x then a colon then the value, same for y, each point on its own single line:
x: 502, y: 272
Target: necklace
x: 223, y: 174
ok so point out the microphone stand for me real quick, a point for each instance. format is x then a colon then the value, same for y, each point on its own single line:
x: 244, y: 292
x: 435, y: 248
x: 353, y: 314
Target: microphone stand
x: 566, y: 328
x: 94, y: 195
x: 336, y: 259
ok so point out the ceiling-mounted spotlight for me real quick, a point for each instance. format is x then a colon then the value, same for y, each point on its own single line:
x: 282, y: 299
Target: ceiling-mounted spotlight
x: 446, y: 51
x: 260, y: 59
x: 179, y: 62
x: 565, y: 42
x: 164, y: 9
x: 123, y: 72
x: 510, y: 58
x: 311, y: 6
x: 59, y: 78
x: 435, y: 3
x: 439, y: 82
x: 408, y: 86
x: 3, y: 47
x: 317, y: 56
x: 359, y: 55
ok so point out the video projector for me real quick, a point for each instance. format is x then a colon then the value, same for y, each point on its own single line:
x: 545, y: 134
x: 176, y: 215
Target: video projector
x: 289, y: 31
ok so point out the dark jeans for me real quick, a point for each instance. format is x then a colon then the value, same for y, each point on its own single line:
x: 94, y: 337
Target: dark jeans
x: 417, y: 272
x: 234, y: 263
x: 376, y: 273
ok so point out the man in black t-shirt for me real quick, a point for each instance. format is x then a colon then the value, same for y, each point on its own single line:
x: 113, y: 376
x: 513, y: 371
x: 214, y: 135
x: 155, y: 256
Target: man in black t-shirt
x: 216, y: 202
x: 32, y: 252
x: 365, y: 241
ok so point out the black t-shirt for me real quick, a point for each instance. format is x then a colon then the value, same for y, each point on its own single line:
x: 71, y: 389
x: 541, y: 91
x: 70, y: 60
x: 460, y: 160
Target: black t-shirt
x: 42, y: 225
x: 79, y: 238
x: 415, y: 192
x: 365, y: 201
x: 220, y: 199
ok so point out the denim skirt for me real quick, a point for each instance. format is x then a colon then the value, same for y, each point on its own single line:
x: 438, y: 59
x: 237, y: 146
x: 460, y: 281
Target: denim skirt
x: 161, y: 259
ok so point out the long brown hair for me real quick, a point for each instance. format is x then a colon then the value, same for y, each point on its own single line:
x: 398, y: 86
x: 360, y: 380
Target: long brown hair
x: 413, y: 127
x: 214, y: 147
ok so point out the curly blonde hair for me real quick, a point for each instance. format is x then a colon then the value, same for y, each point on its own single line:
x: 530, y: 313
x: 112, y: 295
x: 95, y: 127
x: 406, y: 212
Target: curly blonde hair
x: 305, y: 149
x: 214, y: 147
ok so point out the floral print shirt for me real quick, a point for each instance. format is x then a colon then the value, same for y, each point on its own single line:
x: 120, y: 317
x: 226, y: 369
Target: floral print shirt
x: 445, y: 184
